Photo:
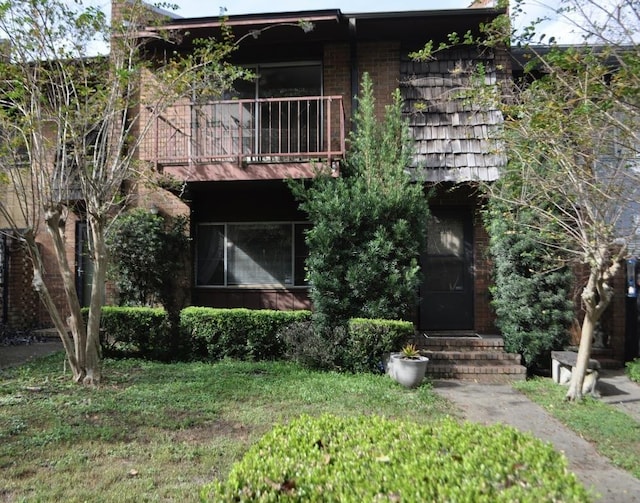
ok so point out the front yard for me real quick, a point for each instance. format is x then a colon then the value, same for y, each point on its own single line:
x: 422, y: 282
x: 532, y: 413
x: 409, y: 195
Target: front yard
x: 158, y: 432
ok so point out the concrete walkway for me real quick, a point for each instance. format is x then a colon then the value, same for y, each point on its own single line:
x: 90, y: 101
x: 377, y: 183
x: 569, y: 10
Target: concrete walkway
x: 11, y: 356
x: 500, y: 403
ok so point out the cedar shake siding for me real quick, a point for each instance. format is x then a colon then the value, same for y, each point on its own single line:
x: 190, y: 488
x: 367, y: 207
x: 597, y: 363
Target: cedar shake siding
x: 453, y: 138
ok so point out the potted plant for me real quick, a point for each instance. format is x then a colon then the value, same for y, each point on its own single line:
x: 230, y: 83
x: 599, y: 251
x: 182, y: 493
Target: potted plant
x: 408, y: 366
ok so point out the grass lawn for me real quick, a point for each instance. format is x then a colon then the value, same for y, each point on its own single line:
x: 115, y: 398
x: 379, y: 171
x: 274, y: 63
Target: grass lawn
x: 615, y: 434
x: 157, y: 432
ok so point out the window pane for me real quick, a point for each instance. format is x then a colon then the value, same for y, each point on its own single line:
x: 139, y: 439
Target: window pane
x: 294, y: 80
x: 259, y: 254
x: 445, y: 236
x: 210, y: 255
x: 445, y: 255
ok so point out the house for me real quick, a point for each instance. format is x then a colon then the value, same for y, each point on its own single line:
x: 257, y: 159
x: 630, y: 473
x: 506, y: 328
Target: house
x: 225, y: 158
x: 233, y: 154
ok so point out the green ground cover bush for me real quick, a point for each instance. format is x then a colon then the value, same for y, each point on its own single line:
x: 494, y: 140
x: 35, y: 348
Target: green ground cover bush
x: 370, y: 458
x: 633, y: 370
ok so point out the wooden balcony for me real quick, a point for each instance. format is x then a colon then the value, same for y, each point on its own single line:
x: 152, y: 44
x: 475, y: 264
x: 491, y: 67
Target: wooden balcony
x: 248, y: 139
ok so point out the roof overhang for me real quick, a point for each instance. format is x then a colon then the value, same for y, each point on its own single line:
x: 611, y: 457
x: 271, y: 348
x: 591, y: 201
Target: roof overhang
x: 334, y: 25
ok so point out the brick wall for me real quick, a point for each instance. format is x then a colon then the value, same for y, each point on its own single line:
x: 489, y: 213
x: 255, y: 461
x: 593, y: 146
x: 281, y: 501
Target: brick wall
x: 337, y: 82
x: 381, y: 60
x: 23, y: 303
x: 483, y: 313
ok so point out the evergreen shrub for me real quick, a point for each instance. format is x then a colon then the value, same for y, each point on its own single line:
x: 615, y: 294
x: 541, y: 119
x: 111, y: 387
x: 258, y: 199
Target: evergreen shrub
x: 135, y: 331
x: 368, y: 224
x: 236, y: 333
x: 358, y: 347
x: 532, y: 296
x: 370, y: 458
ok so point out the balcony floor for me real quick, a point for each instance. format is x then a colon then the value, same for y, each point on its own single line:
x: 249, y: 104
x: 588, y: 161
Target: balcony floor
x: 231, y: 171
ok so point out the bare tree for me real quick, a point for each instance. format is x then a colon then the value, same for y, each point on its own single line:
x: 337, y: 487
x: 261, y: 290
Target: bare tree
x: 71, y: 123
x: 571, y: 134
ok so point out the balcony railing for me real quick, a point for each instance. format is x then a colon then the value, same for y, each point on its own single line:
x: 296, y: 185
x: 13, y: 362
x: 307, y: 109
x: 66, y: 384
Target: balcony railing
x: 272, y: 130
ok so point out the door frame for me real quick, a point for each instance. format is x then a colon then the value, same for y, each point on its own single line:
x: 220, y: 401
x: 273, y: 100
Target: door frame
x: 458, y: 307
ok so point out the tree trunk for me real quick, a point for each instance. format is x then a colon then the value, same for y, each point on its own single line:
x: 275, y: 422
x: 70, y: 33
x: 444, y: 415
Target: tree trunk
x: 93, y: 352
x: 55, y: 226
x: 596, y: 296
x: 40, y: 286
x: 584, y: 353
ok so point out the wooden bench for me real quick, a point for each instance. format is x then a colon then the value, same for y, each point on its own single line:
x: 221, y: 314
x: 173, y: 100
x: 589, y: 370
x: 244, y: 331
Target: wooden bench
x: 562, y: 363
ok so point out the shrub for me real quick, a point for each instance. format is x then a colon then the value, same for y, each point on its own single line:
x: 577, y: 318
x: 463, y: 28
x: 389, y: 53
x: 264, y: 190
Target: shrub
x: 148, y: 264
x: 369, y: 340
x: 236, y: 333
x: 136, y: 331
x: 369, y: 458
x: 368, y: 225
x: 360, y: 347
x: 633, y: 370
x: 314, y: 346
x: 533, y: 287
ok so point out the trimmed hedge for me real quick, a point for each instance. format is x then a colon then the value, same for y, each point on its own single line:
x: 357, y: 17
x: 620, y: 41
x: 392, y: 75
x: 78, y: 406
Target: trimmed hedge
x: 369, y: 458
x: 212, y: 334
x: 135, y: 331
x: 368, y: 341
x: 237, y: 333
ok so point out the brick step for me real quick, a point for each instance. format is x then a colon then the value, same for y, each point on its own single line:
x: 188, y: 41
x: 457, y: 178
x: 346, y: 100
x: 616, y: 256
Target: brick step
x: 490, y: 371
x: 470, y: 357
x: 460, y: 343
x: 438, y: 356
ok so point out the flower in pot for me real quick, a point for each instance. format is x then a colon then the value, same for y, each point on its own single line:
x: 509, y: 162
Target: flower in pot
x: 408, y: 366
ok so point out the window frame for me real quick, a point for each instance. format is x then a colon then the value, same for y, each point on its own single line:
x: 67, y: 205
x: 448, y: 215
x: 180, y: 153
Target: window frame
x: 293, y: 226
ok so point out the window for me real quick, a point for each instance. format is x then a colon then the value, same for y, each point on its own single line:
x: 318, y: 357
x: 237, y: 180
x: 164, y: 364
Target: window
x: 238, y: 254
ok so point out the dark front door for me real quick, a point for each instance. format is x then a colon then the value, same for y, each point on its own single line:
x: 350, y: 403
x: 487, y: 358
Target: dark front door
x: 447, y: 292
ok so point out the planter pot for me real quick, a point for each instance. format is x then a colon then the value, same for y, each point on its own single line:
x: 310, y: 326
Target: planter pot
x: 407, y: 371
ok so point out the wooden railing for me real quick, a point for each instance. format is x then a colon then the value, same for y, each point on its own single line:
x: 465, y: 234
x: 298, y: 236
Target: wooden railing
x: 269, y: 130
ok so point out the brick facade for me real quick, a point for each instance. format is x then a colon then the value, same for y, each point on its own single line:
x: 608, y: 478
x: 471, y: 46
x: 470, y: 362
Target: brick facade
x: 484, y: 317
x: 381, y: 60
x: 23, y: 304
x: 345, y: 58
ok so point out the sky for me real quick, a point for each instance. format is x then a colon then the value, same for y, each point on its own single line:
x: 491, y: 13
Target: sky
x: 204, y: 8
x: 200, y: 8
